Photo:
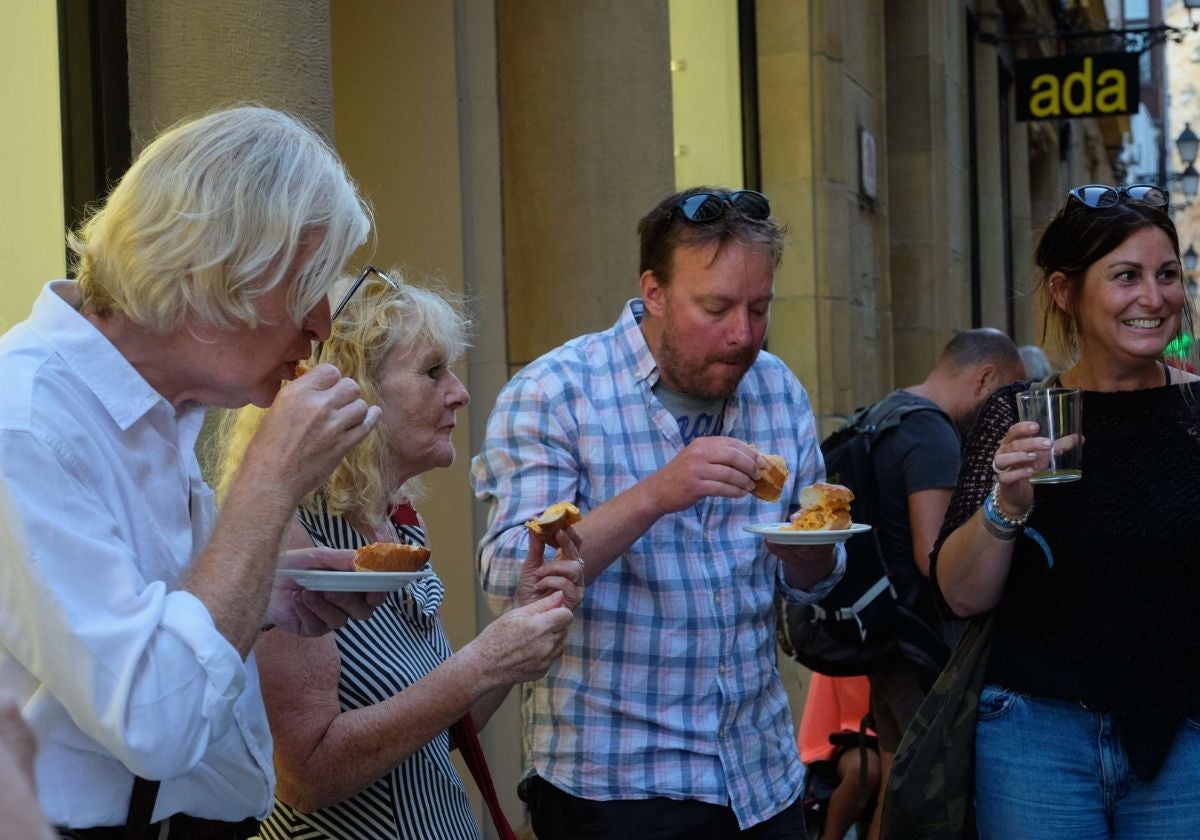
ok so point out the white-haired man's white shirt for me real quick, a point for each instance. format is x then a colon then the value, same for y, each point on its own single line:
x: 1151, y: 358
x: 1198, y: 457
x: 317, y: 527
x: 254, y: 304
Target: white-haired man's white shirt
x: 119, y: 671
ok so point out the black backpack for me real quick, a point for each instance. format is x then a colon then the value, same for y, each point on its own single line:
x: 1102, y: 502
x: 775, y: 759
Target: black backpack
x: 863, y: 623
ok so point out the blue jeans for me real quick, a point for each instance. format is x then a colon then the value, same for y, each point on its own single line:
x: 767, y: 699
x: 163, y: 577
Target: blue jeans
x: 1053, y: 769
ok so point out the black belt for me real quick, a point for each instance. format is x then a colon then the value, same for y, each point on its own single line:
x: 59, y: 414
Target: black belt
x: 178, y: 827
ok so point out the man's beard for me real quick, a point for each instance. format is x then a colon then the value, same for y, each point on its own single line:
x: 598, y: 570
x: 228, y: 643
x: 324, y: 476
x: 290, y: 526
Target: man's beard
x: 694, y: 377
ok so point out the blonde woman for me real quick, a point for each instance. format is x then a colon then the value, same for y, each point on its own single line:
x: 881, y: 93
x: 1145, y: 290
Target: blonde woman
x: 360, y: 717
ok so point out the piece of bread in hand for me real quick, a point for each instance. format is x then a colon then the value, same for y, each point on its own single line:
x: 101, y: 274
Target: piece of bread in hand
x: 771, y: 478
x: 823, y: 507
x: 390, y: 557
x: 300, y: 368
x: 556, y: 517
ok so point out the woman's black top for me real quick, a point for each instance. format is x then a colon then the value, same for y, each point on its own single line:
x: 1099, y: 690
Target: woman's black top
x: 1112, y: 618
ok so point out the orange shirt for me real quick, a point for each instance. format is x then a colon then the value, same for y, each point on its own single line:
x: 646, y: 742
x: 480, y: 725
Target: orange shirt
x: 833, y: 704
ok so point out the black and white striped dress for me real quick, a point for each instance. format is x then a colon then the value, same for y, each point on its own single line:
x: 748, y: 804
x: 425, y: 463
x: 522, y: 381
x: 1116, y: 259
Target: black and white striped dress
x: 423, y: 798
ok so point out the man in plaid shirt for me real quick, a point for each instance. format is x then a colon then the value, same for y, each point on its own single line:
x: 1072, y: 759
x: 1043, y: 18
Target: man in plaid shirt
x: 666, y: 716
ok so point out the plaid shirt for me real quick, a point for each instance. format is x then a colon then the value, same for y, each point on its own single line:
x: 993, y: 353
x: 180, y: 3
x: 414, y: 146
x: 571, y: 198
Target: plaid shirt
x: 668, y: 685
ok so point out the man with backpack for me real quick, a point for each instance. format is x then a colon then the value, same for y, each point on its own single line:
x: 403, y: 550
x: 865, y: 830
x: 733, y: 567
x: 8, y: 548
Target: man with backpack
x: 900, y: 456
x: 916, y: 467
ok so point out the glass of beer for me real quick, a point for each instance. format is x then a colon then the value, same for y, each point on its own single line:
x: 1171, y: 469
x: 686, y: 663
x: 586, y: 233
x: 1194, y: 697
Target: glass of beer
x: 1059, y: 415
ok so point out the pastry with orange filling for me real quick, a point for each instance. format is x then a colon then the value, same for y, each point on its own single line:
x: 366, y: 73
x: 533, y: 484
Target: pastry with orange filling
x: 823, y: 507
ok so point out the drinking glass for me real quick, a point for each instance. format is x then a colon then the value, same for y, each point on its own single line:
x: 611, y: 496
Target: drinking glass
x: 1059, y: 415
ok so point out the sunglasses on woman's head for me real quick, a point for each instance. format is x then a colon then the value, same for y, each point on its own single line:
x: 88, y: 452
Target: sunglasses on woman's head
x: 1099, y: 196
x: 707, y: 207
x: 362, y: 276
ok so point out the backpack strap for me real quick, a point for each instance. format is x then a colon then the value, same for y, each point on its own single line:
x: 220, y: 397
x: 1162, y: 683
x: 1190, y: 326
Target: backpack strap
x: 871, y: 422
x: 874, y: 420
x: 851, y: 612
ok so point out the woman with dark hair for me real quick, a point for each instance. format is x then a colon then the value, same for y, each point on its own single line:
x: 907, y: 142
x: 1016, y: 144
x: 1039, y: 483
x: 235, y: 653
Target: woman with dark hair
x: 1088, y: 723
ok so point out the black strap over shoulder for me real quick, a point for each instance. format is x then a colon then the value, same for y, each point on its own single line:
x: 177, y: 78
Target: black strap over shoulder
x: 879, y: 417
x: 870, y: 423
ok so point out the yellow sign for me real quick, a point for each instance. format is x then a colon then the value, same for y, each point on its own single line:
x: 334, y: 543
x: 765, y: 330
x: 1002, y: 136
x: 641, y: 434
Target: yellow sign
x: 1096, y: 85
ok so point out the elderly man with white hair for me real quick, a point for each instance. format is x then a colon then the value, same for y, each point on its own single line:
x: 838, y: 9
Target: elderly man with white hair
x: 128, y: 608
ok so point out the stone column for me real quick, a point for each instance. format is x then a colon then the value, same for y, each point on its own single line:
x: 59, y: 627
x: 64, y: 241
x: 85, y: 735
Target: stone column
x: 187, y: 57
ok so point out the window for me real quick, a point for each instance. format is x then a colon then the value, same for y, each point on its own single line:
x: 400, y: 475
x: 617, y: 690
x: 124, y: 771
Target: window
x: 1137, y: 11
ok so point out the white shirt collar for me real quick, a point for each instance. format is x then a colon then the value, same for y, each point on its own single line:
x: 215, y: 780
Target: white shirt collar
x: 117, y: 384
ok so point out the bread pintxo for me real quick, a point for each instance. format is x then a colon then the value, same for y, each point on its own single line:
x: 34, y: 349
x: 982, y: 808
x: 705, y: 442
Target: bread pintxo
x: 556, y: 517
x: 823, y: 507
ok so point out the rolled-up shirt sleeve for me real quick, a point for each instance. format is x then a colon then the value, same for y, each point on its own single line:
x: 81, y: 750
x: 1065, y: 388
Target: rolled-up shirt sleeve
x: 821, y: 588
x: 535, y: 467
x: 88, y: 610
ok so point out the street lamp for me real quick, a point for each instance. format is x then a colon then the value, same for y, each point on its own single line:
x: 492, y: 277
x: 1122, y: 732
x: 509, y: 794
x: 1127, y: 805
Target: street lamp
x: 1187, y: 141
x: 1189, y: 181
x: 1185, y: 144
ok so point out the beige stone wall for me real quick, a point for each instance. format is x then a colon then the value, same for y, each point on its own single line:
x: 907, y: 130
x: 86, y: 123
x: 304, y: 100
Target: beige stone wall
x: 187, y: 57
x: 585, y: 122
x: 927, y: 180
x: 413, y: 86
x: 821, y: 81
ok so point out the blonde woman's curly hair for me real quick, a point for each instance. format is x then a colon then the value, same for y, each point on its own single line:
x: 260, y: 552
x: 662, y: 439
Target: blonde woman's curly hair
x: 379, y: 319
x: 215, y: 213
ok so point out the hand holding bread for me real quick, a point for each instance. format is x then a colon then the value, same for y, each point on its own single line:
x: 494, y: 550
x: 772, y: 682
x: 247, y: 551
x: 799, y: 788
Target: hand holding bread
x: 771, y: 478
x: 556, y: 517
x: 564, y: 571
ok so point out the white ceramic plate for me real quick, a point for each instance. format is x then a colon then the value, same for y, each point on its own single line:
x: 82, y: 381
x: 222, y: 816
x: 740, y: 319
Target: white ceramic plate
x: 324, y: 580
x: 776, y: 533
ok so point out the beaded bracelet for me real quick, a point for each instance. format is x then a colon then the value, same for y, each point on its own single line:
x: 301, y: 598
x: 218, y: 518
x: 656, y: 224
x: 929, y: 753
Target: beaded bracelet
x: 992, y: 510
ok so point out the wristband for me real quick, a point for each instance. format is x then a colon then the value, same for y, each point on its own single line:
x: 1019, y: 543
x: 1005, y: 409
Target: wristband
x: 998, y: 531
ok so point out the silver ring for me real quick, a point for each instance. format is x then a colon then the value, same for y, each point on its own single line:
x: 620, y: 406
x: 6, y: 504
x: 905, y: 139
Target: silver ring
x: 582, y: 565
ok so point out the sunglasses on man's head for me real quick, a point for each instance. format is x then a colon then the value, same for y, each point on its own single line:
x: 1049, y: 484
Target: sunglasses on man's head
x: 1099, y: 196
x: 707, y: 207
x: 362, y: 277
